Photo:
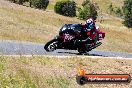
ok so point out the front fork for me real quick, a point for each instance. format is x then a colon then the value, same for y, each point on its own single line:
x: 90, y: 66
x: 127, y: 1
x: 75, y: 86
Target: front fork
x: 57, y: 37
x: 60, y: 42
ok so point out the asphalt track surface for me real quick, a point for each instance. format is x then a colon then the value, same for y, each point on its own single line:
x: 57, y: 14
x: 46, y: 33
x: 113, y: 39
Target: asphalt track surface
x: 10, y: 47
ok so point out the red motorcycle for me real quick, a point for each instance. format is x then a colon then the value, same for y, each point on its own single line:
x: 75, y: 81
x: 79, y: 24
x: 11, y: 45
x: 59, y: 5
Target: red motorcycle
x: 68, y: 38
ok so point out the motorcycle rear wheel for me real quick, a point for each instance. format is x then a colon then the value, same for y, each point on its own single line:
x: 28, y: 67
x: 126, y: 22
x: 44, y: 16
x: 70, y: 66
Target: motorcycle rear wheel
x: 82, y: 51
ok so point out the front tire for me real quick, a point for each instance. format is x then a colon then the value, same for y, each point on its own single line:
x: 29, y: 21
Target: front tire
x: 51, y: 45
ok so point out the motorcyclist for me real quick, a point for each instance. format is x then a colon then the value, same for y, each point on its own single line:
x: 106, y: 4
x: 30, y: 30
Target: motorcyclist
x: 89, y: 31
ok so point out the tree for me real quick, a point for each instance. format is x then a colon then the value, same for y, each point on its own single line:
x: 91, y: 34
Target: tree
x: 66, y: 8
x: 118, y: 12
x: 30, y: 3
x: 127, y: 10
x: 40, y: 4
x: 20, y: 2
x: 14, y: 1
x: 88, y: 10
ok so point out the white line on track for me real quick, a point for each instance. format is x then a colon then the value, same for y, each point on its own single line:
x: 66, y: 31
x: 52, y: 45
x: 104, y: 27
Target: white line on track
x: 57, y: 56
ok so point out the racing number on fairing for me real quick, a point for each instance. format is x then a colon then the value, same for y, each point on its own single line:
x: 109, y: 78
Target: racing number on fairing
x: 100, y: 35
x: 68, y: 37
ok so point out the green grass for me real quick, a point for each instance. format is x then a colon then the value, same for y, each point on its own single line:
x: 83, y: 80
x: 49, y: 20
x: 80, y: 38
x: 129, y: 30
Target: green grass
x: 53, y: 72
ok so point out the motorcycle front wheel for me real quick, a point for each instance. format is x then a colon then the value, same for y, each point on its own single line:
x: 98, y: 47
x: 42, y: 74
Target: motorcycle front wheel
x: 51, y: 45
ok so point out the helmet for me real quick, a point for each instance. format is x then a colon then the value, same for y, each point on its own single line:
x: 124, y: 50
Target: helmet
x: 90, y: 23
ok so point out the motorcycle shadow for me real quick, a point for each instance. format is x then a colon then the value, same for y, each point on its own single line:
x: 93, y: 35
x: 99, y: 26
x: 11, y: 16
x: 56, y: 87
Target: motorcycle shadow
x: 86, y: 54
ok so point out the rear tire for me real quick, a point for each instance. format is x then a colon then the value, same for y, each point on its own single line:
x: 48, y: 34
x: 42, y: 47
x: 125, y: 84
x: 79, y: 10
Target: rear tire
x: 80, y: 47
x: 51, y: 45
x: 81, y: 51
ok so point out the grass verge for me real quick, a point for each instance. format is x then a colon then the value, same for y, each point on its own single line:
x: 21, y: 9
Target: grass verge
x: 57, y: 72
